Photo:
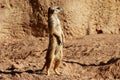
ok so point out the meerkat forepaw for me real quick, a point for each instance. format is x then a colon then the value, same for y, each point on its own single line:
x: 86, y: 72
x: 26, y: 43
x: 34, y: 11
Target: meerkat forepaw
x: 48, y: 73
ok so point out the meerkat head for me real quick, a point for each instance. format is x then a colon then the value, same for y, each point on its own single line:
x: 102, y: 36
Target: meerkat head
x: 54, y: 10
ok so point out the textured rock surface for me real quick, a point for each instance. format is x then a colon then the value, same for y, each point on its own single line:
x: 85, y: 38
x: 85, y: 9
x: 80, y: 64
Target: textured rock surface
x: 21, y: 18
x: 92, y: 16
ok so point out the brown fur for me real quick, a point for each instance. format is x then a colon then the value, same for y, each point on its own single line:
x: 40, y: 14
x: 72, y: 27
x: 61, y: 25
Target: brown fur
x: 54, y: 53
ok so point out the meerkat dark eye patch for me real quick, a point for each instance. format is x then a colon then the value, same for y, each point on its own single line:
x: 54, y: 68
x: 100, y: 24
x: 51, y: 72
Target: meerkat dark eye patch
x: 58, y: 7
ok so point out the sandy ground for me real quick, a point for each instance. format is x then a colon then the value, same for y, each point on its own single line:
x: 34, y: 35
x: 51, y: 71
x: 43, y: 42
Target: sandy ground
x: 93, y: 57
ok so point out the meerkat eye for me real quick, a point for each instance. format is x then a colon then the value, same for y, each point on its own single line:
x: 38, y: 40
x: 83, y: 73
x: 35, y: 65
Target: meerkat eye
x: 58, y: 7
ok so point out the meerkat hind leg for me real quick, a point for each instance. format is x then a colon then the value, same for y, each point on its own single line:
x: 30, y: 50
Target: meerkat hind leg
x: 58, y: 59
x: 48, y: 66
x: 57, y: 63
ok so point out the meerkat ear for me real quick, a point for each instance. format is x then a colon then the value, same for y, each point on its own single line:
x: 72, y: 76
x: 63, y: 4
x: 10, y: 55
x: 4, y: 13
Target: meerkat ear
x: 50, y: 10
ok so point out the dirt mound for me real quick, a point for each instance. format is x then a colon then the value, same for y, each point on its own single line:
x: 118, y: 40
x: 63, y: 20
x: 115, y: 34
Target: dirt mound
x: 89, y: 58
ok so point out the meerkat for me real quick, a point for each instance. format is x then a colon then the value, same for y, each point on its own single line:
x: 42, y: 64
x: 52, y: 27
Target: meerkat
x: 54, y: 53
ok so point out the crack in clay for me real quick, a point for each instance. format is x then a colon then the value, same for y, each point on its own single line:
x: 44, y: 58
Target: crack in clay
x: 111, y: 61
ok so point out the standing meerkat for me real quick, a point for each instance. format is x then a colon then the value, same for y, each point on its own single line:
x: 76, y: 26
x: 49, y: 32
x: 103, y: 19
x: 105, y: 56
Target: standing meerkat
x: 54, y: 53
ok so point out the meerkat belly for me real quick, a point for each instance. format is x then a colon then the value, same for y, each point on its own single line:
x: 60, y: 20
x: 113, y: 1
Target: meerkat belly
x: 58, y: 53
x: 51, y: 47
x: 58, y: 28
